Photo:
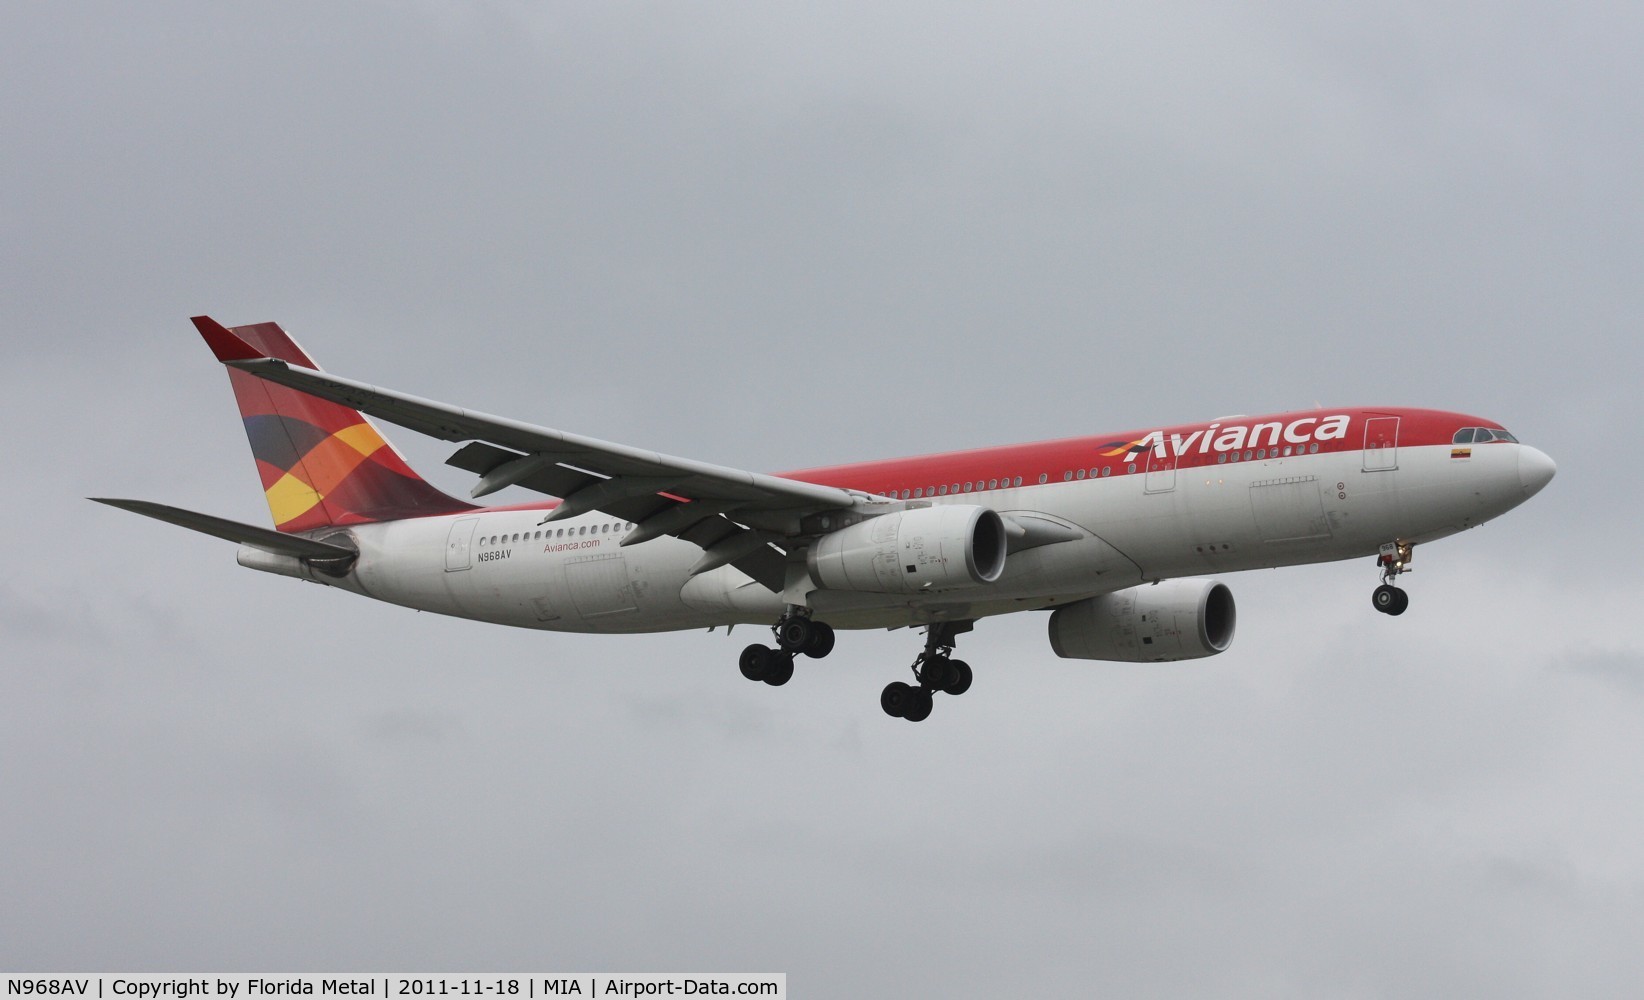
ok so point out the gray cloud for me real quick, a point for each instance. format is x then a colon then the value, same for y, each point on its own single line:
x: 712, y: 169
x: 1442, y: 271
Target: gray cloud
x: 777, y: 237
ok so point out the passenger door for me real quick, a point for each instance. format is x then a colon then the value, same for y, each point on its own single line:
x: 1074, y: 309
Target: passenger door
x: 1381, y: 444
x: 459, y: 546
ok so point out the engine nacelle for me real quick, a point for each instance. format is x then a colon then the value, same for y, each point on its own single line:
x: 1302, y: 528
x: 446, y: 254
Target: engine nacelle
x: 1173, y: 620
x: 925, y: 549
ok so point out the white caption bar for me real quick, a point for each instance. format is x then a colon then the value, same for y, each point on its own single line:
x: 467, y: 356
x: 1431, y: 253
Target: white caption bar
x: 396, y: 986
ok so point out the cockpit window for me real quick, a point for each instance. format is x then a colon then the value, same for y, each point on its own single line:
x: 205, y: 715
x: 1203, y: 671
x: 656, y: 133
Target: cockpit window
x: 1480, y: 435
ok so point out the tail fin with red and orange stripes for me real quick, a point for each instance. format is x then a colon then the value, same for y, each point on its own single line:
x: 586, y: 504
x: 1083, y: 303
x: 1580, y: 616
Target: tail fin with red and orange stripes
x: 321, y: 463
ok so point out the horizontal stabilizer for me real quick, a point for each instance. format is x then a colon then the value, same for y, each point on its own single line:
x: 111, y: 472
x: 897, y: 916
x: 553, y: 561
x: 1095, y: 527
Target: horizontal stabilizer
x: 267, y: 539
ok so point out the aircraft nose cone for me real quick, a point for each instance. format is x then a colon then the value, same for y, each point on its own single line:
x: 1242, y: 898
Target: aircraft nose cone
x: 1535, y: 469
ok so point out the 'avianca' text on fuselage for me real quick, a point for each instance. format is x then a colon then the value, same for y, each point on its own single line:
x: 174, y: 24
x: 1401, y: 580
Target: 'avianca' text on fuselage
x: 1110, y: 534
x: 1236, y: 437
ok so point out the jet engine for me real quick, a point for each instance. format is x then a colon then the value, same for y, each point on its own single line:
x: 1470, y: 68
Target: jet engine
x: 912, y: 551
x: 1173, y: 620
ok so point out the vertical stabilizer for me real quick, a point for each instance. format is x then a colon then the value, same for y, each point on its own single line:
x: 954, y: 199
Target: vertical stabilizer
x: 321, y: 463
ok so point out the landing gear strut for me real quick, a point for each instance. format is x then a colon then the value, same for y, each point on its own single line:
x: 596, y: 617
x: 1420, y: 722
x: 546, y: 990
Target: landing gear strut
x: 935, y: 670
x: 1393, y: 560
x: 797, y: 632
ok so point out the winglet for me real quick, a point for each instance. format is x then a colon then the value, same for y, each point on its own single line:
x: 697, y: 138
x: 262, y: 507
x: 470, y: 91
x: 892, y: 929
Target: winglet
x: 223, y: 341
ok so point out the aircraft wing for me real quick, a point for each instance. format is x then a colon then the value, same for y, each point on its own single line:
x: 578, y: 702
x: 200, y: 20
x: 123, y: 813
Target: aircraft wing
x: 731, y: 514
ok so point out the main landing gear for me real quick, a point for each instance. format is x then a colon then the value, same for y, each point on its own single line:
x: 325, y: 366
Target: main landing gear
x: 796, y: 633
x: 935, y: 669
x: 1393, y: 560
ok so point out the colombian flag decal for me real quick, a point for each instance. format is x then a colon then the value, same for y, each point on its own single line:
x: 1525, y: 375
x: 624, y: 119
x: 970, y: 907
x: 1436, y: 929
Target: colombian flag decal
x: 1461, y: 453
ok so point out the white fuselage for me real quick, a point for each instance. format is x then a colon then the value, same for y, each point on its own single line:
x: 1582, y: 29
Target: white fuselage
x: 507, y: 566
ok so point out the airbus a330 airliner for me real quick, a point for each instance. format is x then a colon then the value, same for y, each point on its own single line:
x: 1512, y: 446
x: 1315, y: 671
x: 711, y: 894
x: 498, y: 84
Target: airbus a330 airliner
x: 1107, y: 533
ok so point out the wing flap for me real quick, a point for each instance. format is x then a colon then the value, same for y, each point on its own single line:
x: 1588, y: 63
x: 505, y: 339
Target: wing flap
x: 638, y: 503
x: 552, y: 479
x: 766, y: 566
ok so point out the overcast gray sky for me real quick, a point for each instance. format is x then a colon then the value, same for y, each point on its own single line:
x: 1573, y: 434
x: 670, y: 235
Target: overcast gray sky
x: 773, y: 236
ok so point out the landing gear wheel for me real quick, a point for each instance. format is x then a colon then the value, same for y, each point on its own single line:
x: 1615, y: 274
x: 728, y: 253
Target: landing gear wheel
x: 936, y: 673
x: 779, y: 669
x: 820, y: 643
x: 755, y: 662
x: 1390, y: 600
x: 794, y: 634
x: 895, y: 699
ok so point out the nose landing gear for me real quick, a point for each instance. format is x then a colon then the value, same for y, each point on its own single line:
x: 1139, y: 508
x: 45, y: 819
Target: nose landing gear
x: 1390, y: 600
x: 935, y: 669
x: 1394, y: 559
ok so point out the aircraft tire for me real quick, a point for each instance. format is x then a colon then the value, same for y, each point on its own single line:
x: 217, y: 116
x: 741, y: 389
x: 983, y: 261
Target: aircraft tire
x: 937, y: 673
x: 794, y: 634
x: 1401, y: 601
x: 895, y: 699
x: 779, y: 670
x: 821, y: 640
x: 959, y: 678
x: 1385, y: 598
x: 919, y: 705
x: 755, y: 661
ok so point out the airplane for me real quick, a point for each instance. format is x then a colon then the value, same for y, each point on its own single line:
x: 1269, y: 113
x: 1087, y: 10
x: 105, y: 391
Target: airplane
x: 1112, y: 534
